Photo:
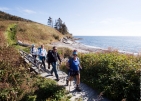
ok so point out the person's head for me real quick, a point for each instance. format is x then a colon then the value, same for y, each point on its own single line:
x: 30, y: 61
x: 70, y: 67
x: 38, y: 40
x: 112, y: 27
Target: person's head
x: 54, y: 48
x: 74, y: 53
x: 42, y: 46
x: 33, y: 45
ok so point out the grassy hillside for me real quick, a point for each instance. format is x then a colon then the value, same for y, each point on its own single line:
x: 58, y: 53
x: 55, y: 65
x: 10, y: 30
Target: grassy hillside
x: 27, y: 31
x: 30, y: 32
x: 6, y: 16
x: 17, y: 82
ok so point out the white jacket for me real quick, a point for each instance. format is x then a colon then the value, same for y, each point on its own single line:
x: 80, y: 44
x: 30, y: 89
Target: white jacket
x: 42, y: 52
x: 33, y: 51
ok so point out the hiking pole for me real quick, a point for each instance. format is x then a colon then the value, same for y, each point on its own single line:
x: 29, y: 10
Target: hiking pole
x: 69, y: 85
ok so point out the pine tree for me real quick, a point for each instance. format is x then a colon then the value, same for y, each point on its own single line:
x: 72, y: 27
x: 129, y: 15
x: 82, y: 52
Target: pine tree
x: 64, y: 29
x: 50, y: 22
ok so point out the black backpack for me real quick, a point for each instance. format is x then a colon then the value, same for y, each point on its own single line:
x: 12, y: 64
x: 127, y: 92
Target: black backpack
x: 49, y: 54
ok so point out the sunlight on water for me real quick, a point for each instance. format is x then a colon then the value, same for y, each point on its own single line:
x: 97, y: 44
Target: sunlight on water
x: 121, y: 43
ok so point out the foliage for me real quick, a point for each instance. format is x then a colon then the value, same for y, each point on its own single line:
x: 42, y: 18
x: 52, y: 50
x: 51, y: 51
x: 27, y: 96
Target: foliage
x: 56, y: 37
x: 29, y: 32
x: 61, y: 27
x: 49, y: 89
x: 117, y: 75
x: 13, y: 84
x: 6, y: 16
x: 17, y: 83
x: 65, y: 52
x: 11, y: 34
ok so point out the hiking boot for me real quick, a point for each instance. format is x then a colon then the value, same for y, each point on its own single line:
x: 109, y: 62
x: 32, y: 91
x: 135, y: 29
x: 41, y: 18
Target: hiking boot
x: 67, y: 82
x: 51, y: 74
x: 78, y: 89
x: 57, y: 79
x: 48, y: 66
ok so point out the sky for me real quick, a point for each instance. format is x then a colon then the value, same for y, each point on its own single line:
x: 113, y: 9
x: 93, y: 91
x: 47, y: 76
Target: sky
x: 82, y: 17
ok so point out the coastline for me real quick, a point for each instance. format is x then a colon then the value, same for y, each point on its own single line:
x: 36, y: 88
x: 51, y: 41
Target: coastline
x: 77, y: 46
x: 73, y: 45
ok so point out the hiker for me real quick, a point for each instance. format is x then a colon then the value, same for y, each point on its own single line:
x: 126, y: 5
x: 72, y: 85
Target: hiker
x: 53, y: 57
x: 33, y: 52
x: 48, y: 60
x: 73, y: 65
x: 42, y: 55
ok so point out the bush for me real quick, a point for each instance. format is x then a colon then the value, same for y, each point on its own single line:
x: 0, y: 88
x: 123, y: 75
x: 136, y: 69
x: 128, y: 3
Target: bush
x: 117, y: 75
x: 48, y: 89
x: 18, y: 84
x: 65, y: 52
x: 56, y: 36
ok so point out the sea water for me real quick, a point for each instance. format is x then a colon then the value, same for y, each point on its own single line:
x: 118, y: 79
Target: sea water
x: 121, y: 43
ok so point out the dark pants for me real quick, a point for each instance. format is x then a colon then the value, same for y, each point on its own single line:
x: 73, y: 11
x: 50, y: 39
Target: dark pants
x: 34, y: 56
x: 43, y: 61
x: 54, y: 69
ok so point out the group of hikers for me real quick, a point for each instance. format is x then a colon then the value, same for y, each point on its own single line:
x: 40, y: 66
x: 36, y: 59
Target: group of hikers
x: 52, y: 57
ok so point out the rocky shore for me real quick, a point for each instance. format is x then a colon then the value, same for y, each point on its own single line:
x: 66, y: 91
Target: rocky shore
x: 72, y: 44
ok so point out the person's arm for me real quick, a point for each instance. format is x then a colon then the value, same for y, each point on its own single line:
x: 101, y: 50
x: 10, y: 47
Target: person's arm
x: 80, y: 67
x: 68, y: 65
x: 45, y: 53
x: 30, y: 50
x: 38, y: 52
x: 59, y: 57
x: 79, y: 64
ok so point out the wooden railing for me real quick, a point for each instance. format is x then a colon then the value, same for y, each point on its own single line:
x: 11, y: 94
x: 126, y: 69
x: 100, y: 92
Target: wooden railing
x: 31, y: 60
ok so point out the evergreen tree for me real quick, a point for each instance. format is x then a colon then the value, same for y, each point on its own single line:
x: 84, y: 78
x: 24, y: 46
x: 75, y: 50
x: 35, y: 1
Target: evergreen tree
x: 55, y: 25
x: 58, y: 25
x: 64, y: 29
x: 50, y: 22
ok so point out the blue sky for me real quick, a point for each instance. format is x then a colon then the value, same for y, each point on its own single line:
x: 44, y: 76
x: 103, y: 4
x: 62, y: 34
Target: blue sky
x: 82, y: 17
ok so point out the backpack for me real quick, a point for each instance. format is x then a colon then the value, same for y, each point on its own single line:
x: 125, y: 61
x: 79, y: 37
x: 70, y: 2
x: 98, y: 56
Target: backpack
x: 32, y: 49
x: 49, y: 54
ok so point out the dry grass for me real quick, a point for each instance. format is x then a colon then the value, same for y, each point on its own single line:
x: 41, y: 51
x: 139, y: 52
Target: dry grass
x: 30, y: 32
x: 36, y: 33
x: 2, y: 39
x: 10, y: 55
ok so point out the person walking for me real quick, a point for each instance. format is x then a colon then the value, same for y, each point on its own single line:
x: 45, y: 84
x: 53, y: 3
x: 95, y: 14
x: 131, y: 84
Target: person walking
x: 74, y: 67
x: 33, y: 52
x: 42, y: 55
x: 53, y: 57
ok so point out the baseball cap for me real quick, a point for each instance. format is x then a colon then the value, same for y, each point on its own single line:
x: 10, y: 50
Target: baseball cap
x: 74, y: 52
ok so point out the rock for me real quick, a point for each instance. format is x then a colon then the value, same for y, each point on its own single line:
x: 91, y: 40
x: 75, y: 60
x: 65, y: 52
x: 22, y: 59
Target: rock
x: 23, y: 44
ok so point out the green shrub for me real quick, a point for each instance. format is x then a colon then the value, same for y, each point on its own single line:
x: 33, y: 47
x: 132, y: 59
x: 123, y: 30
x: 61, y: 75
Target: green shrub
x: 117, y: 75
x: 65, y: 52
x: 31, y: 98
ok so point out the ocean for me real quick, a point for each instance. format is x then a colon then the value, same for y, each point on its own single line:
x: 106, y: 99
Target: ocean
x: 130, y: 44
